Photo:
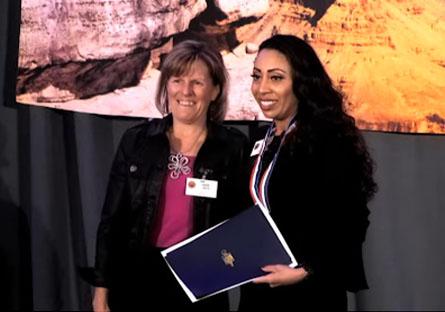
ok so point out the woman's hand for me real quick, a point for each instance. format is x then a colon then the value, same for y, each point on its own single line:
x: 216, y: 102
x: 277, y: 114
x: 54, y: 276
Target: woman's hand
x: 281, y: 275
x: 100, y: 300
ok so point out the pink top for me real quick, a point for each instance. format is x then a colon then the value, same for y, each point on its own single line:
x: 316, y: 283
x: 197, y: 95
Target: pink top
x: 174, y: 219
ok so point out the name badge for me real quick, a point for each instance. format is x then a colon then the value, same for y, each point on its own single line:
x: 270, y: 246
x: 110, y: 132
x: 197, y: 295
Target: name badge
x: 257, y: 148
x: 201, y: 187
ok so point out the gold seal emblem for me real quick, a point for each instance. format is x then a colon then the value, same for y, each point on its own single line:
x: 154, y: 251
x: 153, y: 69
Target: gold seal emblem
x: 228, y: 258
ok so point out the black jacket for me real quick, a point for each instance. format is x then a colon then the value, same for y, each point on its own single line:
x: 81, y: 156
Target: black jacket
x: 316, y: 201
x: 134, y: 189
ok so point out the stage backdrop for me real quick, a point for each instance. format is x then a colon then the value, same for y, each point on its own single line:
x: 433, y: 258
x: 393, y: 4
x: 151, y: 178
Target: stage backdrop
x: 103, y: 56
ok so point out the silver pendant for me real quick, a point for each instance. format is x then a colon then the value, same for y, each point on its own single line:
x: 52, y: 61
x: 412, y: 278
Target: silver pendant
x: 178, y: 164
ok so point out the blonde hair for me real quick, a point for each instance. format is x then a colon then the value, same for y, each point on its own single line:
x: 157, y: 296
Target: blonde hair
x: 179, y: 61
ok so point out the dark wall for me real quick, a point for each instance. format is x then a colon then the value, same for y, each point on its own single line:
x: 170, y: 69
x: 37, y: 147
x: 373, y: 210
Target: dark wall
x: 404, y: 253
x: 15, y: 249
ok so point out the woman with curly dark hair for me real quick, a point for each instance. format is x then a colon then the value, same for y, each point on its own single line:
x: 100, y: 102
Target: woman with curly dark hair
x: 314, y: 174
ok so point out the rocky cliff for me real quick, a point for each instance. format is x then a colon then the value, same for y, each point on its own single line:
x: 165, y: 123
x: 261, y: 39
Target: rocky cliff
x: 386, y: 55
x: 61, y: 31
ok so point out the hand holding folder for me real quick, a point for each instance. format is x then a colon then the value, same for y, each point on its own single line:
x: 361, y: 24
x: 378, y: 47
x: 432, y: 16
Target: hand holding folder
x: 228, y: 255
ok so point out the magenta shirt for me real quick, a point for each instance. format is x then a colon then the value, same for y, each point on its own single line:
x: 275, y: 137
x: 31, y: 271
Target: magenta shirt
x: 174, y: 219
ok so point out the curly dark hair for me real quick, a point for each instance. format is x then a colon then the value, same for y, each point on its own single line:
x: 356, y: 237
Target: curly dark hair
x: 321, y: 108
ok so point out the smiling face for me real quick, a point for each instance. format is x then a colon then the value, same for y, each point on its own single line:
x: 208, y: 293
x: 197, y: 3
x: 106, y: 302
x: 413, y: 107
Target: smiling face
x: 189, y: 95
x: 272, y: 87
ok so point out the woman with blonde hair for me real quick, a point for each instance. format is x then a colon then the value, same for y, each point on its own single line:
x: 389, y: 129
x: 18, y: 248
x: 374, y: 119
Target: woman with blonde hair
x: 147, y: 208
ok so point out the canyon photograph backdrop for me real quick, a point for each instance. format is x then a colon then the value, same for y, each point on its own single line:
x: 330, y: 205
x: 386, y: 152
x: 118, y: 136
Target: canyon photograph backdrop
x: 103, y: 56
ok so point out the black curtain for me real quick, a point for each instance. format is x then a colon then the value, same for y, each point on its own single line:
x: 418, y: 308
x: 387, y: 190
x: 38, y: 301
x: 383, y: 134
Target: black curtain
x: 54, y: 168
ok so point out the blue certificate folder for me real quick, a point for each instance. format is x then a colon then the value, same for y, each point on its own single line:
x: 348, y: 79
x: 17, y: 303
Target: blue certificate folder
x: 229, y: 254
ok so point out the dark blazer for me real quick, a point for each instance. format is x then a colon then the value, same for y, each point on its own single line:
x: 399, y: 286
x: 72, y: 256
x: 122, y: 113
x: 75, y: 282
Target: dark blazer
x: 315, y: 199
x: 136, y: 179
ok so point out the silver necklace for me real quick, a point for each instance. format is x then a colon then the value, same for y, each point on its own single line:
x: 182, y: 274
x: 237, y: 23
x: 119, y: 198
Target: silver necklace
x: 178, y: 164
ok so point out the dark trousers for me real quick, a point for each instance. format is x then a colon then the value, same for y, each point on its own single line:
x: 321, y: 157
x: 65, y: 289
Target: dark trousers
x: 306, y: 296
x: 147, y: 282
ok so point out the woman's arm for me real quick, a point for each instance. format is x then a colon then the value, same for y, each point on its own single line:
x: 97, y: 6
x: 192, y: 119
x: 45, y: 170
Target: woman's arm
x: 100, y: 300
x: 113, y: 202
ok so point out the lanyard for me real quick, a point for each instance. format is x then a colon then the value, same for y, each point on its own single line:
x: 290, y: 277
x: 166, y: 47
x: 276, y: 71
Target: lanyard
x: 259, y: 184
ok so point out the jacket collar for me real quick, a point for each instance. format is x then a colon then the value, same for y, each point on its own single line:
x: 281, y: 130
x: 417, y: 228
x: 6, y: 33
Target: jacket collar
x: 154, y: 147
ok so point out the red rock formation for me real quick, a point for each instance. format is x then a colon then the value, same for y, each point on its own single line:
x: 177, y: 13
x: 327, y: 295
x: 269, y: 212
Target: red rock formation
x: 387, y: 61
x: 386, y: 55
